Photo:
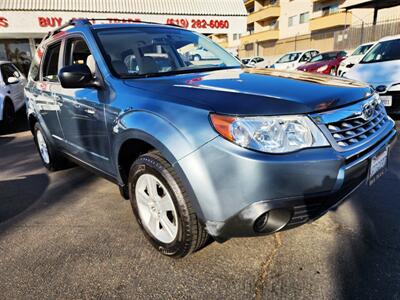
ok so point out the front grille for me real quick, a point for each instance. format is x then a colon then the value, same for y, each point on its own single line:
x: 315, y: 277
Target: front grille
x: 353, y: 131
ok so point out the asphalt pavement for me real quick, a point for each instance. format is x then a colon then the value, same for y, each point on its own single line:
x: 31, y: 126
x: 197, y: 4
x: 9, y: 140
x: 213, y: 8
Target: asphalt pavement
x: 69, y: 234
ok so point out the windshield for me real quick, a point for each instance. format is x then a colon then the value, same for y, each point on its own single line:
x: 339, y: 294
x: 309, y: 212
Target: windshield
x: 324, y: 56
x: 146, y: 51
x: 383, y: 51
x: 289, y: 57
x: 361, y: 50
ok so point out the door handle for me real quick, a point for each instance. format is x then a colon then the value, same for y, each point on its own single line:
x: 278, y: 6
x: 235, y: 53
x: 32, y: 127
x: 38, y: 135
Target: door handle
x: 58, y: 99
x: 90, y: 111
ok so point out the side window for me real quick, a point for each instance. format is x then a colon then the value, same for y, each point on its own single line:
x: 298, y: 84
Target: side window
x: 306, y: 56
x: 50, y: 64
x: 35, y: 65
x: 16, y: 73
x: 7, y: 71
x: 259, y: 59
x: 77, y: 52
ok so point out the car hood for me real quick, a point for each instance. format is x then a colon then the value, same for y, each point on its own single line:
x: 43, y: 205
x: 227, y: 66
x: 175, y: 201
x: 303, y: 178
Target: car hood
x: 315, y: 65
x: 380, y: 73
x: 354, y: 59
x: 257, y: 91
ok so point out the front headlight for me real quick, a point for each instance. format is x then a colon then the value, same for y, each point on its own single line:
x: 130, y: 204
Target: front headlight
x: 275, y: 134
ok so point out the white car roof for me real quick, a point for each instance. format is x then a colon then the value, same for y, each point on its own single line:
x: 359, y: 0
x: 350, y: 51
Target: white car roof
x: 390, y: 38
x: 300, y: 51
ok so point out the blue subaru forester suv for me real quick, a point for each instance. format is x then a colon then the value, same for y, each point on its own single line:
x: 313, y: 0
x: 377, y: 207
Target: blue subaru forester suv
x: 203, y: 148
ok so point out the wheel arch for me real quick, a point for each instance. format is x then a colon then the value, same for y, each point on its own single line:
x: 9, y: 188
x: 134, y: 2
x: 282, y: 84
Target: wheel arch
x: 143, y: 133
x: 31, y: 121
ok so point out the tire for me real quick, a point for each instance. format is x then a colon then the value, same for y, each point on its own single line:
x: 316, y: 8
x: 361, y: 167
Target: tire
x: 196, y: 57
x: 188, y: 234
x: 9, y: 116
x: 54, y: 160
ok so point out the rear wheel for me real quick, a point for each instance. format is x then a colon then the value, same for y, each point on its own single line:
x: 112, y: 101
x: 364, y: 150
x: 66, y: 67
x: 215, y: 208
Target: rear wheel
x: 162, y: 209
x: 196, y: 57
x: 8, y: 115
x: 51, y: 158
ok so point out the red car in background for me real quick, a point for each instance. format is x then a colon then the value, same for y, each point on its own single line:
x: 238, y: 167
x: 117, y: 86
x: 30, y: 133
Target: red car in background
x: 324, y: 63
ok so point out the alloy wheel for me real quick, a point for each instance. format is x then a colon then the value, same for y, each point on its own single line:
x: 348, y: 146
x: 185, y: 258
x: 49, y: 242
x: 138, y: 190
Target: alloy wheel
x: 156, y: 208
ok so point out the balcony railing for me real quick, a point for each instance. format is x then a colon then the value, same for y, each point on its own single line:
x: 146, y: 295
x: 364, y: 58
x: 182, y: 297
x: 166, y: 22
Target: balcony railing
x: 268, y: 12
x: 262, y: 36
x: 330, y: 21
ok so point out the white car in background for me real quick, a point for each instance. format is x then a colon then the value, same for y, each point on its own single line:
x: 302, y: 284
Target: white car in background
x: 12, y: 84
x: 255, y: 62
x: 201, y: 53
x: 293, y: 60
x: 380, y: 67
x: 353, y: 59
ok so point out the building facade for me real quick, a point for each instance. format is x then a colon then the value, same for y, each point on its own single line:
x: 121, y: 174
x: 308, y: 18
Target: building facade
x: 23, y: 23
x: 275, y: 27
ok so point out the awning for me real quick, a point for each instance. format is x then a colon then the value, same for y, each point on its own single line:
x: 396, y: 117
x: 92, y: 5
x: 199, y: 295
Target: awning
x: 376, y: 4
x: 170, y: 7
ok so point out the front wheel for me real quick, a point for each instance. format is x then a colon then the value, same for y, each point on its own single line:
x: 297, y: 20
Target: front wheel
x: 162, y: 209
x: 9, y: 116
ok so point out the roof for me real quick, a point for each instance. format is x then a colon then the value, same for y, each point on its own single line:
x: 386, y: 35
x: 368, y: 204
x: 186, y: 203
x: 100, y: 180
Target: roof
x: 390, y: 38
x: 170, y: 7
x: 378, y: 4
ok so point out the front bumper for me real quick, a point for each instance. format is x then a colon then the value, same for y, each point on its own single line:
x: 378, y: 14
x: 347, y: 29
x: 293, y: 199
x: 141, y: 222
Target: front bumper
x: 291, y: 212
x: 235, y: 187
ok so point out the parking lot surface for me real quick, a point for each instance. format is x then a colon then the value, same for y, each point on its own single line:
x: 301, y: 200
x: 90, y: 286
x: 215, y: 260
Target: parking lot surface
x: 69, y: 234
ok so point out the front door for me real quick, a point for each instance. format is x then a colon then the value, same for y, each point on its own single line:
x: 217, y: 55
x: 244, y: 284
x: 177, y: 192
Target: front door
x: 82, y: 113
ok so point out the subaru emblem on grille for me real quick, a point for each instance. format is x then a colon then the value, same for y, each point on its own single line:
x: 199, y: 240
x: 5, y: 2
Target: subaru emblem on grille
x: 368, y: 110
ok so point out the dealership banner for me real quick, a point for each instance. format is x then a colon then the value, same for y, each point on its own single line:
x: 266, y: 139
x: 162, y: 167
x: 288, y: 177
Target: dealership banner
x: 41, y: 21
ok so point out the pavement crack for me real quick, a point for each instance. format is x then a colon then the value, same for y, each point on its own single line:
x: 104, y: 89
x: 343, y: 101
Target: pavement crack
x: 265, y: 267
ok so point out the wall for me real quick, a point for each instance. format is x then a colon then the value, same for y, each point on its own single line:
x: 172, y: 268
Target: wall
x: 291, y: 8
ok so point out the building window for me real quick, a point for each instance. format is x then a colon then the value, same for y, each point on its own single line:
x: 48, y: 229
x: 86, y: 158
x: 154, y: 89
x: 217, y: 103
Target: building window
x: 292, y: 21
x: 331, y: 9
x: 18, y: 51
x: 273, y: 24
x: 304, y: 17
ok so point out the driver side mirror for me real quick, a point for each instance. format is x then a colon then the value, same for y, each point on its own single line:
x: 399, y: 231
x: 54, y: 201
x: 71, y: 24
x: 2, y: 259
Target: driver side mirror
x: 77, y: 76
x: 12, y: 80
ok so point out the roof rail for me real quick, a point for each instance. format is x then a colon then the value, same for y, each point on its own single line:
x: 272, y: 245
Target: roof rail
x: 89, y: 22
x: 126, y: 21
x: 72, y: 22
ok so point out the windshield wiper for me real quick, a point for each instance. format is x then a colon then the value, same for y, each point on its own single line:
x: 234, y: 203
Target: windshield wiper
x: 176, y: 72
